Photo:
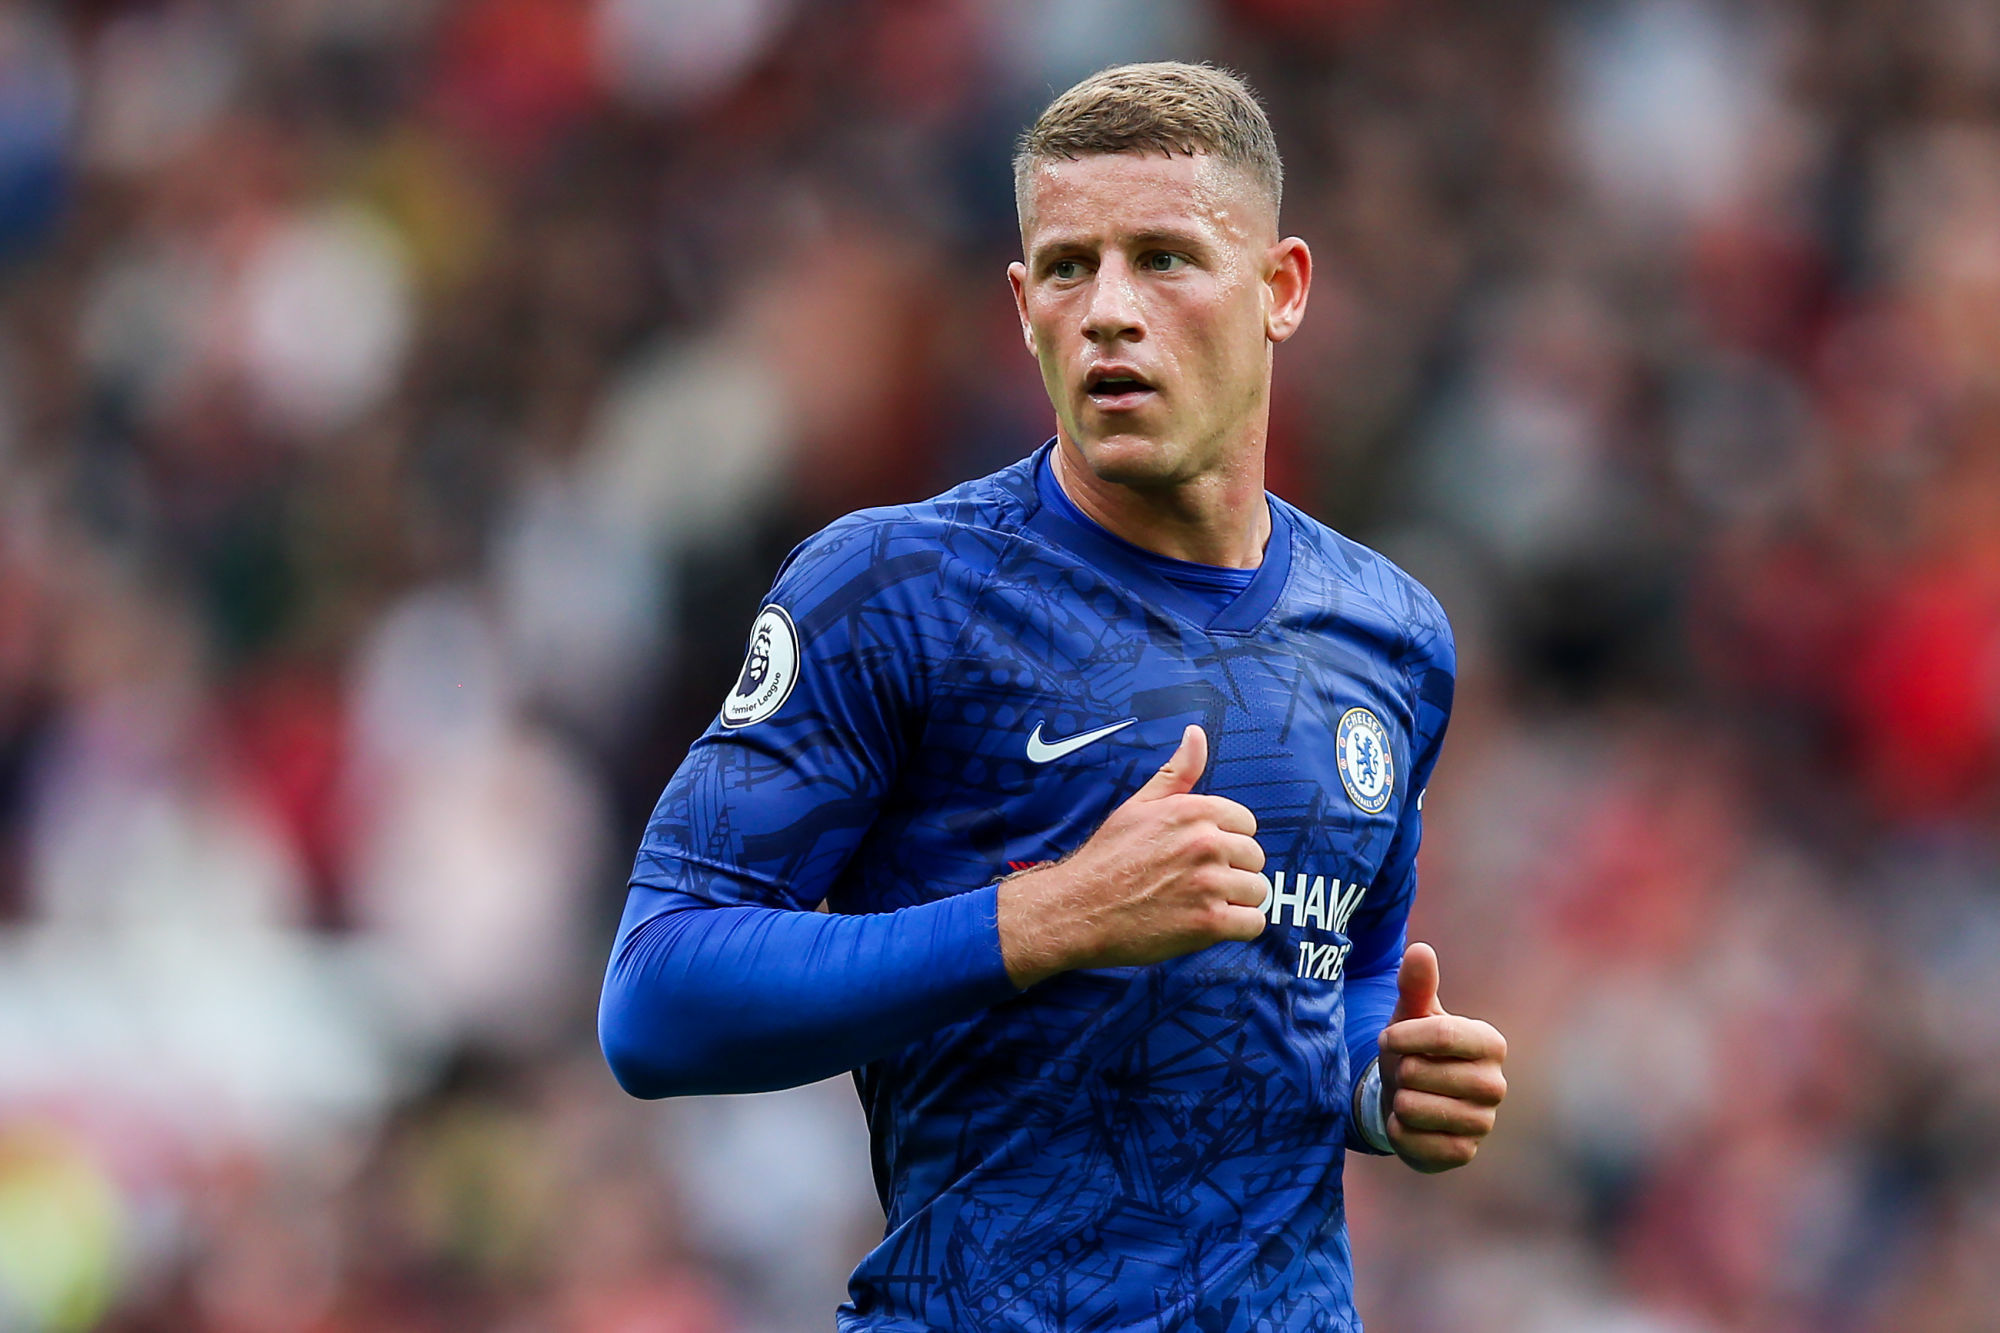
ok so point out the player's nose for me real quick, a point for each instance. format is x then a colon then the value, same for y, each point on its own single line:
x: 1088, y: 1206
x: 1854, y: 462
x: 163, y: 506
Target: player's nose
x: 1113, y: 312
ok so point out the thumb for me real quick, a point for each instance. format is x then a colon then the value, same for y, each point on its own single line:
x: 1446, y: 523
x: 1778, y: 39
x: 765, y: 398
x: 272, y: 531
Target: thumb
x: 1178, y: 776
x: 1417, y: 985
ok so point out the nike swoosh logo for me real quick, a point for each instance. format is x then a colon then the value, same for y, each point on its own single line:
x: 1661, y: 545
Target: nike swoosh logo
x: 1042, y: 752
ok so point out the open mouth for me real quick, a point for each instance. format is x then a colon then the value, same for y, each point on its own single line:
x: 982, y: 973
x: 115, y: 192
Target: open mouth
x: 1113, y: 389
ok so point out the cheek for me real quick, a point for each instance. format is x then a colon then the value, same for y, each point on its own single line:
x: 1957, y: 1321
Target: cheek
x: 1046, y: 323
x: 1244, y: 334
x: 1051, y: 352
x: 1220, y: 339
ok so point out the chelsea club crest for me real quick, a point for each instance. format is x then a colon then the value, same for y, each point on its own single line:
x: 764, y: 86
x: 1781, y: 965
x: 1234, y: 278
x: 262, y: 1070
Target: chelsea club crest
x: 1367, y: 767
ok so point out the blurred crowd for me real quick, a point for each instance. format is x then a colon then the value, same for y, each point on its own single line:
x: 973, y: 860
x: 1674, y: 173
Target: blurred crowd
x: 404, y: 403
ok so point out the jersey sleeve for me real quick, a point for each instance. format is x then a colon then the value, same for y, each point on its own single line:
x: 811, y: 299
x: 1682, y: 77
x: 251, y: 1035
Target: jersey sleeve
x: 722, y: 979
x: 1380, y: 928
x: 773, y: 799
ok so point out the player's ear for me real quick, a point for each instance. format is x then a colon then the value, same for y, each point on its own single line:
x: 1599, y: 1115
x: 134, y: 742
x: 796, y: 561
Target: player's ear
x: 1289, y: 280
x: 1017, y: 278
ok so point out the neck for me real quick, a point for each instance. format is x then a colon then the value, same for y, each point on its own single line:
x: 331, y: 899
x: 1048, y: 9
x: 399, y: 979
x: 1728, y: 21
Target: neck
x: 1216, y: 518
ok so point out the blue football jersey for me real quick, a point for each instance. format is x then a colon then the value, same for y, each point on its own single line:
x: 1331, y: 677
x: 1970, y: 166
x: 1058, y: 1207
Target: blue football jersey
x: 939, y: 693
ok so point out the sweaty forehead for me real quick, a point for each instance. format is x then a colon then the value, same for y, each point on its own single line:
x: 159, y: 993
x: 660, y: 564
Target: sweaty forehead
x: 1104, y: 196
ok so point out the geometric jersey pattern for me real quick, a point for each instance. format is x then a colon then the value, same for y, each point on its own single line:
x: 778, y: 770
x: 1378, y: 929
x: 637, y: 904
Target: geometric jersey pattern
x: 1154, y: 1147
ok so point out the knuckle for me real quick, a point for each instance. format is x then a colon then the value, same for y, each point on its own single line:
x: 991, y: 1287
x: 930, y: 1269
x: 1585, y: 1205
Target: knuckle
x: 1229, y: 922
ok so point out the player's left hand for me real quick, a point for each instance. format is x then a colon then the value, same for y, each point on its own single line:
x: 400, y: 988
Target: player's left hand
x: 1441, y: 1079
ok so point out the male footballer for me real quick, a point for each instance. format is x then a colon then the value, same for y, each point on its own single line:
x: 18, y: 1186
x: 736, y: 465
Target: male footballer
x: 1108, y: 768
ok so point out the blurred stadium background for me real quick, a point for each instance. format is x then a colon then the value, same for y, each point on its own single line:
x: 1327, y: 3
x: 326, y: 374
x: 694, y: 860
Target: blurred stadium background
x: 403, y: 404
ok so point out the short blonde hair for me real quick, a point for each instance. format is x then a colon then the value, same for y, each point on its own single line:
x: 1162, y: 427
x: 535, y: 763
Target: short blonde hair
x: 1166, y: 106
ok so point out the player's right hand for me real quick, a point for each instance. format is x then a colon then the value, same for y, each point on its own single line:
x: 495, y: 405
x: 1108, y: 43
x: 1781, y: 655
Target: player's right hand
x: 1167, y: 874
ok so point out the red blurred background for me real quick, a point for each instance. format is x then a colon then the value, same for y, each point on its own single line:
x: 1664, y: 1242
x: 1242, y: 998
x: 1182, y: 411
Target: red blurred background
x: 404, y: 403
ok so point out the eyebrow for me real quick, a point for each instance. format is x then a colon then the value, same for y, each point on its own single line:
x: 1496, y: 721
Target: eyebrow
x: 1152, y: 236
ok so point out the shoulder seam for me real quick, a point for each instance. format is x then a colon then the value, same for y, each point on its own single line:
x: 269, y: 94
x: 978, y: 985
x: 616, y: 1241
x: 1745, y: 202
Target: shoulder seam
x: 1428, y: 617
x: 972, y: 610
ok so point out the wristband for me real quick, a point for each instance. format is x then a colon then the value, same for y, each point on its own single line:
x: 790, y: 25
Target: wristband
x: 1371, y: 1120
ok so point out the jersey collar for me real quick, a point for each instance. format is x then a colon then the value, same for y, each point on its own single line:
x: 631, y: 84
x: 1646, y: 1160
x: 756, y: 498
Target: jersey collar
x: 1131, y: 565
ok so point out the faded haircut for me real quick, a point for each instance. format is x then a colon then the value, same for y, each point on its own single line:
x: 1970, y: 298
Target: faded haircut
x: 1166, y: 106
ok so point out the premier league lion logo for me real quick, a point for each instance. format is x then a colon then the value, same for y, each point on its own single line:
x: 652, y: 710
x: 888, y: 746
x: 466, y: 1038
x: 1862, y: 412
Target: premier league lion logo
x: 758, y: 665
x: 770, y: 669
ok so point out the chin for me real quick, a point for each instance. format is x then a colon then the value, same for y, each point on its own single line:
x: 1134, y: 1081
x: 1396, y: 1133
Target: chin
x: 1131, y: 459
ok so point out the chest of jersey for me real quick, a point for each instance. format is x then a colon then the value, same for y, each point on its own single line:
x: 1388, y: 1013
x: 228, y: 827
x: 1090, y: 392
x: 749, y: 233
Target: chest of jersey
x: 1066, y: 692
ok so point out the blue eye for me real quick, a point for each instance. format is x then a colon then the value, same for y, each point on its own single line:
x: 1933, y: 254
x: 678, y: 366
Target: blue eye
x: 1065, y: 269
x: 1162, y: 261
